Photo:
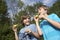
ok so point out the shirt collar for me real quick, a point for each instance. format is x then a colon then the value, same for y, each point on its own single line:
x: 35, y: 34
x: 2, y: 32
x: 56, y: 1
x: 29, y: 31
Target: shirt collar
x: 27, y: 25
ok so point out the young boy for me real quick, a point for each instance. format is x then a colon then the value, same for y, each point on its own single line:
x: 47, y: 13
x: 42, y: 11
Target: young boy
x: 28, y: 32
x: 50, y: 26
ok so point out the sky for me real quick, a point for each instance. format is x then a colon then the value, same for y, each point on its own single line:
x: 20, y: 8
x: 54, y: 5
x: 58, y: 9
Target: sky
x: 45, y: 2
x: 12, y: 6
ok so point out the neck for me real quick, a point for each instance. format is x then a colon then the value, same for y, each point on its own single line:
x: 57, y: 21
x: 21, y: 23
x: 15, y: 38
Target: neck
x: 27, y: 25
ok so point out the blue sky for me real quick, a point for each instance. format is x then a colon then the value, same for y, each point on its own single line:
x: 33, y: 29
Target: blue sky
x: 45, y: 2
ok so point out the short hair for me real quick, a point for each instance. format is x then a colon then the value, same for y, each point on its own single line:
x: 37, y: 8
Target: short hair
x: 23, y: 17
x: 43, y: 6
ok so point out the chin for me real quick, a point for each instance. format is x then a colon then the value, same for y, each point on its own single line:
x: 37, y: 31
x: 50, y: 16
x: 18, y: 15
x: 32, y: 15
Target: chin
x: 28, y: 24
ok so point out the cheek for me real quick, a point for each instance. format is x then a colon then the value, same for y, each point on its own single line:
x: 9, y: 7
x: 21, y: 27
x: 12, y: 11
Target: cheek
x: 39, y: 11
x: 24, y: 21
x: 42, y: 10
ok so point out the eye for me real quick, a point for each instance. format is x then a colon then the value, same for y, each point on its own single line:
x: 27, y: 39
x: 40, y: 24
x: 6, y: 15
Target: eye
x: 28, y: 17
x: 45, y: 9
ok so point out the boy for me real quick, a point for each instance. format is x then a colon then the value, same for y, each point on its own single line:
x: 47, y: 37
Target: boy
x: 28, y: 32
x: 50, y: 26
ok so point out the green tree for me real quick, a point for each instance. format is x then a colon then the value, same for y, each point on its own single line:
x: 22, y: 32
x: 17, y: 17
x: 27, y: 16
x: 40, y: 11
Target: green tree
x: 55, y: 8
x: 20, y: 3
x: 5, y: 31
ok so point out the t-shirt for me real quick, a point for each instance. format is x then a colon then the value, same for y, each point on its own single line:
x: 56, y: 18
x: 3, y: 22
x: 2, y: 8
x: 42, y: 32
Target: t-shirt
x: 49, y: 31
x: 26, y: 36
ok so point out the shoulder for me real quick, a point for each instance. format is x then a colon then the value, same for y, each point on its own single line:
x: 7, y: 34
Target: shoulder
x: 32, y: 25
x: 21, y: 30
x: 55, y: 17
x: 53, y: 14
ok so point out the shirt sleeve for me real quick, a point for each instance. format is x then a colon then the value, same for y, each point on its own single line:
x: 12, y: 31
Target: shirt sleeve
x: 20, y: 35
x: 56, y: 18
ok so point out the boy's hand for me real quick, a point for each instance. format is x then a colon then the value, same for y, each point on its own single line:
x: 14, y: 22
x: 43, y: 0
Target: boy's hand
x: 14, y: 28
x: 28, y: 31
x: 36, y: 18
x: 42, y: 16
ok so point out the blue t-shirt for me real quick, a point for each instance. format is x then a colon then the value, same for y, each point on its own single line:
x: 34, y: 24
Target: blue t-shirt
x: 25, y: 36
x: 49, y: 31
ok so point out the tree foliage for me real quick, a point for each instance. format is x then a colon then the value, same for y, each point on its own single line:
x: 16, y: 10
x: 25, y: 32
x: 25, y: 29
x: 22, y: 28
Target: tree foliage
x: 55, y: 8
x: 4, y: 22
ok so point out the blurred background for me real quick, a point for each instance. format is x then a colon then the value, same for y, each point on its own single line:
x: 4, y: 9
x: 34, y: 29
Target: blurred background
x: 12, y: 10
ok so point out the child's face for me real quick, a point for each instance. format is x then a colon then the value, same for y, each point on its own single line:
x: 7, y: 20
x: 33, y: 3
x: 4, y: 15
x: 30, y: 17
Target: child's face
x: 26, y: 21
x: 41, y: 10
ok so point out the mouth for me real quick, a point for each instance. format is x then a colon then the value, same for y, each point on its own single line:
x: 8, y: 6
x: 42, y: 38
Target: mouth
x: 28, y: 22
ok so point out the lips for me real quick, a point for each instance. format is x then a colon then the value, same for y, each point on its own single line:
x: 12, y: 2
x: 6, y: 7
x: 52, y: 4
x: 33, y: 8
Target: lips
x: 28, y: 22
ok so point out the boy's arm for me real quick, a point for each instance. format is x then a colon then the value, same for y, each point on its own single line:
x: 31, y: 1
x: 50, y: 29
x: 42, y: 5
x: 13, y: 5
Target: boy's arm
x: 16, y: 36
x: 32, y: 33
x: 35, y: 34
x: 37, y: 26
x: 54, y: 23
x: 39, y: 29
x: 15, y: 32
